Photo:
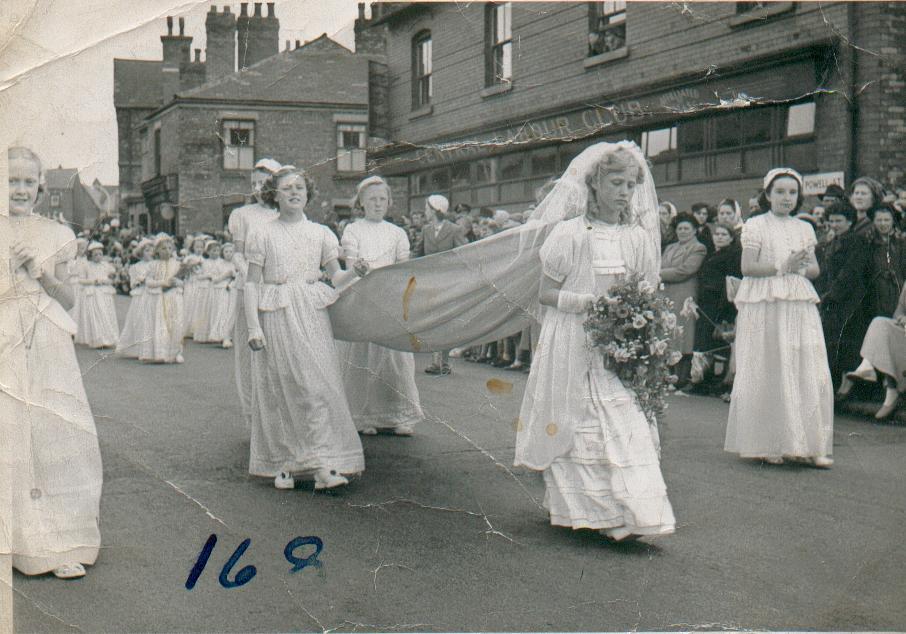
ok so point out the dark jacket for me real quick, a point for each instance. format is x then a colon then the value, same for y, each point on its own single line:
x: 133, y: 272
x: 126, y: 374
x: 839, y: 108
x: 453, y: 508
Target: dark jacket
x: 449, y: 237
x: 887, y: 268
x: 712, y: 295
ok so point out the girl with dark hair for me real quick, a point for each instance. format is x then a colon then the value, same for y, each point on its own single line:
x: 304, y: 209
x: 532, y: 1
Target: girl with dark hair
x: 300, y: 419
x: 782, y: 404
x: 864, y: 195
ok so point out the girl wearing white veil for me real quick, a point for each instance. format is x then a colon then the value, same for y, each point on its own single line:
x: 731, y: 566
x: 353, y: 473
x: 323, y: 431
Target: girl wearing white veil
x: 578, y: 423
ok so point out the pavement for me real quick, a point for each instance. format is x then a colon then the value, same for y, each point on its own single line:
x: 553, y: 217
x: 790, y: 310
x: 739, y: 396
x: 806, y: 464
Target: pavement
x: 441, y: 533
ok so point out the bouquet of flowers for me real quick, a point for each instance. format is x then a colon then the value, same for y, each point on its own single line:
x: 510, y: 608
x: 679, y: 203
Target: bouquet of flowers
x: 633, y: 327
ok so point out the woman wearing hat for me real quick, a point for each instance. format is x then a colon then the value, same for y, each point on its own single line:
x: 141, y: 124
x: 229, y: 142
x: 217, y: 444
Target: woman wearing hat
x: 380, y: 383
x: 97, y: 327
x: 52, y: 444
x: 782, y: 404
x: 135, y: 329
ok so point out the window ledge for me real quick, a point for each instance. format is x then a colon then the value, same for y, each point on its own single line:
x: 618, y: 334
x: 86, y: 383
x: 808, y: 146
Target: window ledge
x: 424, y: 111
x: 762, y: 13
x: 603, y: 58
x: 497, y: 89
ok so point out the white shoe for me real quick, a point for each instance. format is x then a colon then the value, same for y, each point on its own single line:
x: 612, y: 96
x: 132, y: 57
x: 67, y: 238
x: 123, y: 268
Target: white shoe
x: 772, y: 460
x: 404, y: 430
x: 284, y: 481
x: 329, y: 479
x: 180, y: 359
x: 227, y: 344
x: 369, y: 431
x: 823, y: 462
x: 69, y: 571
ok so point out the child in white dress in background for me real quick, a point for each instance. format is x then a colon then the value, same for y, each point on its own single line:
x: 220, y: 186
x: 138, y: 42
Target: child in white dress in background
x: 137, y: 325
x: 196, y: 246
x: 165, y: 306
x: 97, y: 326
x: 213, y: 298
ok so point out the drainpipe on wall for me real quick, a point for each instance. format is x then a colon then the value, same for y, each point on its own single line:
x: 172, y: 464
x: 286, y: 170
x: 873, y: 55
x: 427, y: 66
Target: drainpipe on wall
x: 853, y: 140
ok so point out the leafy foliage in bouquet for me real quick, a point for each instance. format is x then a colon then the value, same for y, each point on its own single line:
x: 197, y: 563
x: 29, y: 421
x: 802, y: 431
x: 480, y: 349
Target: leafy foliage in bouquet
x: 632, y: 327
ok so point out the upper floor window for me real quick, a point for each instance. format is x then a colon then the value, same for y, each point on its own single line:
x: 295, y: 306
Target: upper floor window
x: 499, y: 53
x: 422, y: 86
x: 238, y: 144
x: 751, y: 12
x: 350, y: 147
x: 607, y: 27
x: 55, y: 200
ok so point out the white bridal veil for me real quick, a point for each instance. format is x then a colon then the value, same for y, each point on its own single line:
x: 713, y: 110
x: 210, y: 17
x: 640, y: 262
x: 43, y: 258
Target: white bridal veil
x: 486, y: 290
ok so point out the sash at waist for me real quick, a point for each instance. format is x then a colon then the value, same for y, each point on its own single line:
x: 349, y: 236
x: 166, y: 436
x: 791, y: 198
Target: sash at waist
x: 277, y: 296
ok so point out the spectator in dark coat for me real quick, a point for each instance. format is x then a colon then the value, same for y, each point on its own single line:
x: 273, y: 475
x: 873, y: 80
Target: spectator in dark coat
x: 713, y: 304
x: 887, y: 264
x: 843, y: 286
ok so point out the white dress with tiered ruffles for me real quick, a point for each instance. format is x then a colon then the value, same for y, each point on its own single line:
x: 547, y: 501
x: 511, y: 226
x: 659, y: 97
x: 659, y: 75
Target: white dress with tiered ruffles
x: 782, y: 402
x: 578, y: 423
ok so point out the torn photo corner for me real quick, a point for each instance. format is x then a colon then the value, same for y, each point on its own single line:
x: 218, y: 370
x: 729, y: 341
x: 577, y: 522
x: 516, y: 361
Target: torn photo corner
x: 452, y: 316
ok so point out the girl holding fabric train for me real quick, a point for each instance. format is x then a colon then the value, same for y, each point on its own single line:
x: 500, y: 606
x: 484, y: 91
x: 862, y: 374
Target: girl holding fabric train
x: 380, y: 383
x: 137, y: 329
x: 165, y: 305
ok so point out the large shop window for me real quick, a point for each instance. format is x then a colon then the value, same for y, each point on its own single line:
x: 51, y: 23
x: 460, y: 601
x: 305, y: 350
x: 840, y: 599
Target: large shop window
x: 607, y: 27
x: 741, y: 144
x: 350, y: 147
x: 422, y: 87
x: 499, y: 54
x: 238, y: 144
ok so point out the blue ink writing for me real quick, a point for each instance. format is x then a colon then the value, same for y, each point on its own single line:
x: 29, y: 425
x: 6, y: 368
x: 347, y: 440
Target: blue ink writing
x: 311, y: 560
x: 247, y: 573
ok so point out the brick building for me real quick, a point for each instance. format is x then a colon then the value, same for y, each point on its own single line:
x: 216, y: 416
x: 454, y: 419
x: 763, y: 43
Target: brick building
x: 66, y: 197
x: 191, y: 130
x: 486, y: 101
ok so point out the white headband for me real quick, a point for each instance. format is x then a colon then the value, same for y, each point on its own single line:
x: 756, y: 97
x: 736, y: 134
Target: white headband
x: 782, y: 171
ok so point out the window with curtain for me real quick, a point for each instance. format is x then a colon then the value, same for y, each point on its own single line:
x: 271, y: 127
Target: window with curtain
x: 351, y: 147
x: 238, y: 144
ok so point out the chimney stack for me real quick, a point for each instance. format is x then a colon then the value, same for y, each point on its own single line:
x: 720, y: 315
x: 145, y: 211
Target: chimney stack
x: 259, y: 36
x: 298, y: 43
x: 198, y: 56
x: 220, y: 54
x: 176, y: 53
x: 182, y: 26
x: 243, y: 9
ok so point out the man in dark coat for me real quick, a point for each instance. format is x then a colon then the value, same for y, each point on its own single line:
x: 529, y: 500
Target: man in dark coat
x: 843, y: 285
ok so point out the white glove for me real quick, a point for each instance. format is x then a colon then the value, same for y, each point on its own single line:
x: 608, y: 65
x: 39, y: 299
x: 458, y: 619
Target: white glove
x: 576, y: 303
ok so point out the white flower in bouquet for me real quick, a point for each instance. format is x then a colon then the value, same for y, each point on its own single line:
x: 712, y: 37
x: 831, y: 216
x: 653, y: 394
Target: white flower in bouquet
x: 648, y: 314
x: 690, y: 308
x: 646, y: 287
x: 639, y: 322
x: 621, y: 355
x: 675, y: 357
x: 670, y: 321
x: 658, y: 347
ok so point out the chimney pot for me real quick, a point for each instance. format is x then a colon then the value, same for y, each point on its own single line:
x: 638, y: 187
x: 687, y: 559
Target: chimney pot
x: 169, y: 25
x: 362, y: 11
x: 270, y: 9
x: 244, y: 8
x: 298, y: 43
x: 197, y: 54
x: 257, y: 9
x: 287, y: 45
x: 213, y: 9
x: 226, y: 8
x: 182, y: 26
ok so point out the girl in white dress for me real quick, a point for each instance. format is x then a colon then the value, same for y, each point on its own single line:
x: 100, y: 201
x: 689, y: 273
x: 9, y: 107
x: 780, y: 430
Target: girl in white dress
x: 74, y: 270
x: 97, y: 326
x: 783, y: 403
x: 301, y: 423
x: 578, y: 423
x: 228, y: 324
x: 212, y: 302
x: 52, y: 449
x: 137, y: 326
x: 165, y: 306
x: 380, y: 382
x: 191, y: 284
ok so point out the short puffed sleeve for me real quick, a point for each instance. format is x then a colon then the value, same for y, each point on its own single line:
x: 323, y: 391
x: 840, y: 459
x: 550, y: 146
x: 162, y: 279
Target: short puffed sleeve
x: 65, y: 249
x: 236, y: 225
x: 557, y: 255
x: 403, y: 248
x: 330, y: 246
x: 752, y: 235
x: 809, y: 240
x: 256, y: 245
x: 350, y: 242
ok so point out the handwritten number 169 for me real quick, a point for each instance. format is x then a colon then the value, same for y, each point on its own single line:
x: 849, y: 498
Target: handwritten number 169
x: 247, y: 573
